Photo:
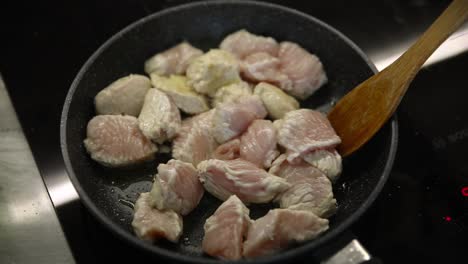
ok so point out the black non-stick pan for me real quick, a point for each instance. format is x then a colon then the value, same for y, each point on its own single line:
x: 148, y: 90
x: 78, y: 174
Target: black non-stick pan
x: 109, y: 193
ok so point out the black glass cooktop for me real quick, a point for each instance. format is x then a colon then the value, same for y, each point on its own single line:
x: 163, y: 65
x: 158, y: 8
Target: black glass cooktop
x: 422, y: 213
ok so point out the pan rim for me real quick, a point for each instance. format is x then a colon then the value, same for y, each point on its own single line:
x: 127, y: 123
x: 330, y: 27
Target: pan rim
x: 130, y: 238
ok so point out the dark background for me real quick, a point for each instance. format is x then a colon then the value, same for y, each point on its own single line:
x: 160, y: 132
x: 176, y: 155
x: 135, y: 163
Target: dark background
x: 421, y: 215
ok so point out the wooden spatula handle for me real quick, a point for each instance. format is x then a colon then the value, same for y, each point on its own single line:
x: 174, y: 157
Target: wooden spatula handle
x: 364, y: 110
x: 412, y: 60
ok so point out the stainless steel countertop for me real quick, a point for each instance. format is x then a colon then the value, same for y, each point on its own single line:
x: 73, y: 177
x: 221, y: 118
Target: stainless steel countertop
x: 29, y: 229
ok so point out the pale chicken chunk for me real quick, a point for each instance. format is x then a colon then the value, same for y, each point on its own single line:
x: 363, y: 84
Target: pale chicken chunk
x: 181, y: 93
x: 159, y: 118
x: 228, y: 151
x: 277, y: 102
x: 232, y: 119
x: 232, y: 92
x: 278, y: 228
x: 172, y: 61
x: 305, y: 130
x: 258, y: 143
x: 152, y: 224
x: 176, y: 187
x: 326, y: 160
x: 263, y: 67
x: 223, y: 178
x: 243, y: 43
x: 124, y: 96
x: 116, y: 141
x: 310, y: 189
x: 304, y: 70
x: 195, y: 142
x: 225, y: 230
x: 213, y: 70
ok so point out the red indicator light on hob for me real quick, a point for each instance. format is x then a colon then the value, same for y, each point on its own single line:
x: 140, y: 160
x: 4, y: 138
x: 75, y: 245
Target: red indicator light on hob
x: 448, y: 218
x: 464, y: 191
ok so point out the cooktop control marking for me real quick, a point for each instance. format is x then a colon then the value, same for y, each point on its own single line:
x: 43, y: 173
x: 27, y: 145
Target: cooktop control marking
x: 464, y: 191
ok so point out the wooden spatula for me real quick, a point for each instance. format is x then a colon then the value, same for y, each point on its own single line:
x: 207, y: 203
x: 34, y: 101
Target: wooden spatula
x: 364, y: 110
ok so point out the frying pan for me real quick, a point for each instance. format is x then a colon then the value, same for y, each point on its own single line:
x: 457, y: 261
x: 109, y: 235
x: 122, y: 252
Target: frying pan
x: 110, y: 193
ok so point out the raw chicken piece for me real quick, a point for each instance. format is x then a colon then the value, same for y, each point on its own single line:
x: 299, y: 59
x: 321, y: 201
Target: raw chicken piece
x: 243, y: 43
x: 232, y: 119
x: 223, y: 178
x: 159, y: 118
x: 263, y: 67
x: 124, y: 96
x: 176, y: 187
x: 209, y: 72
x: 304, y: 130
x: 151, y: 224
x: 195, y: 142
x: 310, y: 189
x: 116, y: 141
x: 231, y: 93
x: 278, y: 228
x: 228, y: 151
x: 172, y: 61
x: 225, y: 230
x: 181, y: 93
x: 278, y: 165
x: 302, y: 68
x: 277, y: 102
x: 258, y: 143
x: 328, y: 161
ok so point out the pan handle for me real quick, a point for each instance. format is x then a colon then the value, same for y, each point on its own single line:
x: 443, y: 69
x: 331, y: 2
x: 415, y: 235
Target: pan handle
x: 353, y: 253
x: 345, y: 249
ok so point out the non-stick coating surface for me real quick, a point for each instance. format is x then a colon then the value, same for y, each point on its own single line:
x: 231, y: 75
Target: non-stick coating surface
x: 109, y: 193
